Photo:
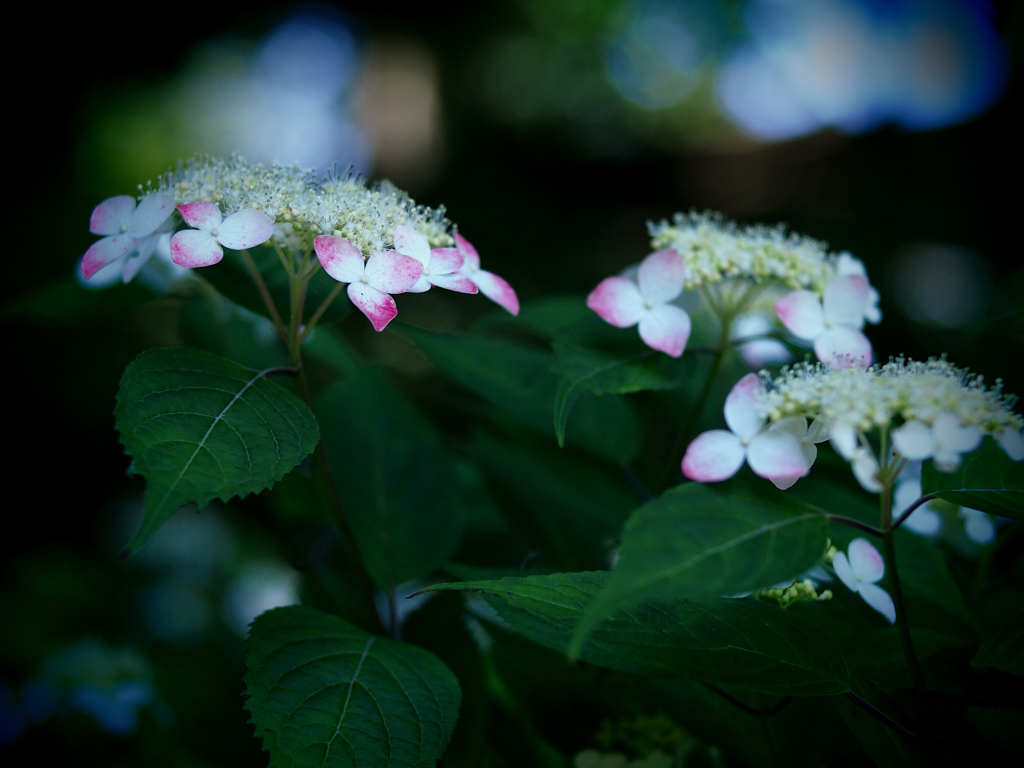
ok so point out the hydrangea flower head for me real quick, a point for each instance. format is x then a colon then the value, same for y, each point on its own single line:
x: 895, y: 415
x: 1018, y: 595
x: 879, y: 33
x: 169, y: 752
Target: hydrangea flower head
x: 860, y: 572
x: 624, y: 303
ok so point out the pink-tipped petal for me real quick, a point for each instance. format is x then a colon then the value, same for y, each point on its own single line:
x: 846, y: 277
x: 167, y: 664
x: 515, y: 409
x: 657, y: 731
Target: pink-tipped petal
x: 797, y: 427
x: 880, y: 600
x: 913, y: 441
x: 845, y: 300
x: 777, y: 456
x: 742, y: 406
x: 666, y: 328
x: 245, y: 229
x: 378, y: 307
x: 195, y: 248
x: 714, y: 456
x: 151, y: 213
x: 866, y: 561
x: 340, y: 258
x: 801, y: 313
x: 845, y: 573
x: 392, y: 272
x: 661, y: 276
x: 499, y: 291
x: 145, y: 247
x: 412, y: 243
x: 1012, y: 442
x: 111, y: 215
x: 201, y: 214
x: 444, y: 261
x: 453, y: 282
x: 105, y: 251
x: 617, y: 301
x: 840, y: 347
x: 469, y: 254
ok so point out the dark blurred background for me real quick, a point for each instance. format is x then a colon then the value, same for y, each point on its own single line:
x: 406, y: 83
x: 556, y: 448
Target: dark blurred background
x: 552, y: 130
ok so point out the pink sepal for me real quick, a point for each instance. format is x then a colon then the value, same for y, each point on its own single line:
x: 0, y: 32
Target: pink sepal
x: 151, y: 213
x: 113, y: 213
x: 340, y: 258
x: 392, y: 272
x: 713, y: 456
x: 451, y: 282
x: 201, y: 214
x: 195, y: 248
x: 445, y: 260
x: 378, y: 307
x: 469, y: 254
x: 801, y: 313
x: 666, y: 328
x: 496, y: 289
x: 245, y: 229
x: 617, y: 300
x: 661, y: 276
x: 104, y: 251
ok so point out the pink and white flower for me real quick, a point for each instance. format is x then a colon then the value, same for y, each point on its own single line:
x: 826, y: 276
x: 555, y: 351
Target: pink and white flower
x: 201, y: 245
x: 943, y: 442
x: 126, y: 228
x: 493, y: 287
x: 440, y: 266
x: 782, y: 452
x: 847, y: 265
x: 624, y: 303
x: 834, y: 323
x: 860, y: 572
x: 372, y: 281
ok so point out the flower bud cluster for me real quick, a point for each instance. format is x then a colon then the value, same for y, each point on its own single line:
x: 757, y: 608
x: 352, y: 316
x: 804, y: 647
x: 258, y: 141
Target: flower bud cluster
x: 715, y: 249
x: 799, y: 591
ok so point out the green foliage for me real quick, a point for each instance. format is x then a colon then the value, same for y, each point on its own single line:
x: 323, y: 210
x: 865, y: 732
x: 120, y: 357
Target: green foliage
x: 986, y: 479
x: 518, y: 380
x: 592, y: 356
x: 199, y: 427
x: 700, y: 541
x: 324, y: 693
x: 1003, y: 650
x: 394, y: 477
x: 742, y: 642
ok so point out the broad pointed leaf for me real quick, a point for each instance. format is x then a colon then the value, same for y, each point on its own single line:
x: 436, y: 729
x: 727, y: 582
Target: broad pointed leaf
x: 325, y: 694
x: 394, y: 476
x: 700, y: 541
x: 200, y: 427
x: 740, y: 642
x: 986, y: 479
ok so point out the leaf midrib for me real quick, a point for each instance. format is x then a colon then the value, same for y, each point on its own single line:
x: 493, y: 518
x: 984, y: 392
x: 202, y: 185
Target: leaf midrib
x: 348, y: 697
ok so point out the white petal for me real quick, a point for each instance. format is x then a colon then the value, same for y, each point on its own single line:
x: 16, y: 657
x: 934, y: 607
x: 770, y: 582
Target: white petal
x: 880, y: 600
x: 841, y: 347
x: 777, y: 456
x: 113, y: 213
x: 411, y: 243
x: 907, y: 492
x: 195, y: 248
x: 923, y: 521
x: 844, y: 438
x: 848, y: 264
x: 617, y: 301
x: 151, y: 213
x: 666, y: 328
x: 817, y: 572
x: 145, y: 247
x: 818, y: 431
x: 844, y: 301
x: 842, y: 568
x: 979, y: 527
x: 1012, y: 442
x: 201, y: 215
x: 801, y: 313
x: 743, y: 407
x: 865, y: 469
x: 761, y: 352
x: 444, y: 261
x: 422, y: 285
x: 913, y: 441
x: 950, y: 435
x: 245, y: 229
x: 871, y: 312
x: 453, y: 282
x: 865, y: 561
x: 713, y: 456
x: 661, y: 276
x: 340, y: 258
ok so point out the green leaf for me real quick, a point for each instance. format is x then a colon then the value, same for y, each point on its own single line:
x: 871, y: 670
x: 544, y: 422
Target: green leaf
x: 595, y: 357
x: 200, y: 427
x: 394, y: 477
x: 518, y: 380
x: 1003, y: 650
x: 325, y: 694
x: 986, y: 479
x: 741, y: 642
x: 701, y: 541
x: 232, y: 278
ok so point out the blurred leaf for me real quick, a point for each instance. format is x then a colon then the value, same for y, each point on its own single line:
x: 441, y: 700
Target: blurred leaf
x: 986, y: 479
x: 742, y: 642
x: 886, y: 747
x: 201, y: 427
x: 1003, y: 650
x: 569, y: 506
x: 394, y: 477
x: 595, y: 357
x: 545, y: 317
x: 702, y: 541
x: 232, y: 278
x: 518, y: 380
x: 324, y: 693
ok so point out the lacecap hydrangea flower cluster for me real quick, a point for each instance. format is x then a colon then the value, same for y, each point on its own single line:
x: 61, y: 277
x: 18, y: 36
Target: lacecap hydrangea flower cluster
x: 829, y: 300
x: 373, y: 237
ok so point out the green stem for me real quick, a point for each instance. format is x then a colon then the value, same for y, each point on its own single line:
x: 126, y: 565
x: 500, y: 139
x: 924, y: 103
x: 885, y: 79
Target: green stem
x: 265, y: 293
x: 320, y: 311
x: 889, y: 550
x: 284, y: 259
